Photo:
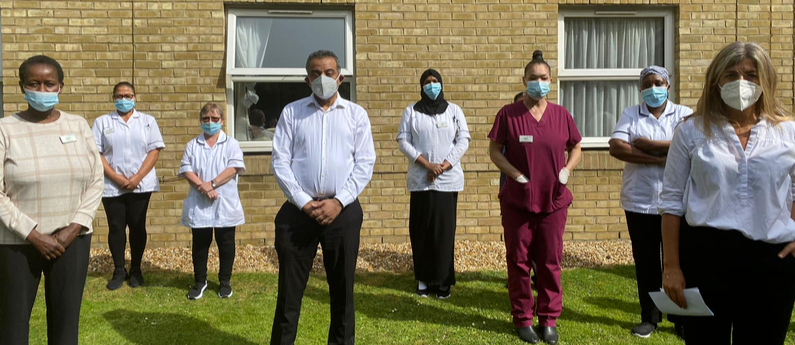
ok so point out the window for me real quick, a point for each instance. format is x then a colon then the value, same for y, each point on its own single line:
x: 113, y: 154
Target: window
x: 602, y: 53
x: 265, y: 66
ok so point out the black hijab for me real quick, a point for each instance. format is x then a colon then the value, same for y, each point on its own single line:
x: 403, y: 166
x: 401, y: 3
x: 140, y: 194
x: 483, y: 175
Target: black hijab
x: 429, y: 106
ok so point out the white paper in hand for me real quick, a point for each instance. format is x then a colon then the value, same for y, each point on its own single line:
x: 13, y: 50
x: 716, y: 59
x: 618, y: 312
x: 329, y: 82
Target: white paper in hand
x: 522, y: 179
x: 695, y: 303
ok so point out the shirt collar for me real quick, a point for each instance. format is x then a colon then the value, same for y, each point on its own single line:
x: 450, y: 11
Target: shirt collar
x: 338, y: 103
x: 115, y: 115
x: 221, y: 138
x: 669, y: 109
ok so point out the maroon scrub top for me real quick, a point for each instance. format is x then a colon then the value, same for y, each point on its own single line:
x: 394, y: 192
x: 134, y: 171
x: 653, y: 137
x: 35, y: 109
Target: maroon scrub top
x: 537, y: 149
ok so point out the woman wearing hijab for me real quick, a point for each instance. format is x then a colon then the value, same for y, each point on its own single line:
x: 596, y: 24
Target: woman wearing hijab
x: 641, y: 139
x: 434, y: 136
x: 534, y: 201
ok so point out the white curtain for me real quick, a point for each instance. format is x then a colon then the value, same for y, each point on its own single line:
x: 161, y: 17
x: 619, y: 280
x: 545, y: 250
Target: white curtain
x: 596, y: 105
x: 251, y: 41
x: 607, y: 43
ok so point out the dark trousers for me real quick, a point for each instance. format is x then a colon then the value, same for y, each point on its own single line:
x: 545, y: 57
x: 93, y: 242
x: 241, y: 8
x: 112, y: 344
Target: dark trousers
x: 225, y: 239
x: 297, y: 237
x: 748, y: 287
x: 127, y: 210
x: 645, y: 232
x: 21, y: 267
x: 432, y: 219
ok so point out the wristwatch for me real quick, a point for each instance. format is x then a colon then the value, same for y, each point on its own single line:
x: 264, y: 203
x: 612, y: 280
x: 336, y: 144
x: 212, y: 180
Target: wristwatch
x: 214, y: 184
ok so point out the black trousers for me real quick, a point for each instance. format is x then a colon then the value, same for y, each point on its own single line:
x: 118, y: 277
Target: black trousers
x: 21, y: 267
x: 748, y: 287
x: 127, y: 210
x: 225, y: 239
x: 432, y: 218
x: 297, y: 237
x: 645, y: 232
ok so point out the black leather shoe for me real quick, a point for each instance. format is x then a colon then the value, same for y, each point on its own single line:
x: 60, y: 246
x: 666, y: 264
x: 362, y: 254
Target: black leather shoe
x: 528, y: 335
x: 549, y: 335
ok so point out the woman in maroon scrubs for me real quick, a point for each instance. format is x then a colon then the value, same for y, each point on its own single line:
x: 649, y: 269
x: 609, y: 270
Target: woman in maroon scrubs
x: 534, y: 200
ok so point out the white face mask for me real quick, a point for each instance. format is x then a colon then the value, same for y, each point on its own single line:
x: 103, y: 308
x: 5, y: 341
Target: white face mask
x: 324, y: 87
x: 740, y: 94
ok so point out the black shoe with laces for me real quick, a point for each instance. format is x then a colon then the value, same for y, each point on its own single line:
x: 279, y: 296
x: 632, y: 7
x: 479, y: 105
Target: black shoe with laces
x: 197, y: 291
x: 644, y: 329
x: 119, y: 275
x: 225, y: 291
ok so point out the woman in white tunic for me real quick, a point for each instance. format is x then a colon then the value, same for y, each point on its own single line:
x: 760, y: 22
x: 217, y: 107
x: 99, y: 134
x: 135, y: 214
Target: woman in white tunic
x: 211, y: 164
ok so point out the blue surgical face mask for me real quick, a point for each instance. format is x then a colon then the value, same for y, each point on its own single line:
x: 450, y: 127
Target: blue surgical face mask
x: 211, y: 127
x: 124, y: 105
x: 537, y: 89
x: 655, y: 96
x: 432, y: 90
x: 42, y: 101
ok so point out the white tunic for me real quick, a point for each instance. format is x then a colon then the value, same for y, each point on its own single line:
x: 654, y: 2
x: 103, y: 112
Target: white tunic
x: 125, y: 146
x: 199, y: 211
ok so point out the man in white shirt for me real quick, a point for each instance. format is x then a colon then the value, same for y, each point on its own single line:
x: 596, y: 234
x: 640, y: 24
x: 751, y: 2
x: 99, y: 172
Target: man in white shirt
x: 323, y: 157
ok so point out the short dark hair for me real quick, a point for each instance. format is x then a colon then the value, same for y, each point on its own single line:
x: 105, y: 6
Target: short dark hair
x: 518, y: 97
x: 39, y: 60
x: 256, y: 117
x: 124, y: 83
x: 322, y: 54
x: 538, y: 58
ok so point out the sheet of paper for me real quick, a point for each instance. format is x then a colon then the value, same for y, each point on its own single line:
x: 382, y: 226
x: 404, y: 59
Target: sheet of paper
x: 695, y: 303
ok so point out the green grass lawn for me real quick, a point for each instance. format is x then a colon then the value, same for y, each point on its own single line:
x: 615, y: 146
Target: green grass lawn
x: 599, y: 308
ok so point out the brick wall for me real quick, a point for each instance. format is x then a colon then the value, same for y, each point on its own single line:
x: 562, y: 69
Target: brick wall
x: 174, y: 52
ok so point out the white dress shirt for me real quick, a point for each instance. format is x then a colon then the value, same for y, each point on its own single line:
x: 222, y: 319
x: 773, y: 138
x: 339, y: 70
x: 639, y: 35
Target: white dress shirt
x: 713, y: 182
x: 640, y: 192
x: 323, y: 154
x: 199, y: 211
x: 125, y: 146
x: 437, y: 138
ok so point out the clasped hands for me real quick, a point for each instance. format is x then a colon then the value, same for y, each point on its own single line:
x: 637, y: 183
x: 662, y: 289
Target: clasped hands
x: 647, y: 145
x: 434, y: 170
x: 206, y: 189
x: 53, y: 246
x: 128, y: 183
x: 323, y: 212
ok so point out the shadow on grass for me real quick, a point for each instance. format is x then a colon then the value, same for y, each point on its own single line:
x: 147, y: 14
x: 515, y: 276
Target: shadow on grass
x: 167, y: 328
x: 406, y: 306
x: 614, y: 303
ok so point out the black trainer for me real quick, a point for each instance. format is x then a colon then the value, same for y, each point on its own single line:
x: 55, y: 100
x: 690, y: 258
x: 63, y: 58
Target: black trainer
x: 644, y: 329
x: 136, y: 278
x: 119, y: 275
x: 225, y: 291
x: 444, y: 293
x: 197, y: 291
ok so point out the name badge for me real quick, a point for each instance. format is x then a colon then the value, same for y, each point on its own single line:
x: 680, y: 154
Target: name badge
x: 69, y: 138
x: 109, y: 130
x: 441, y: 125
x: 525, y: 138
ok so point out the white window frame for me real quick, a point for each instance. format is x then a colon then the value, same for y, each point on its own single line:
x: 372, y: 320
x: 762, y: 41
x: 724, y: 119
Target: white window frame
x: 259, y: 75
x: 579, y: 74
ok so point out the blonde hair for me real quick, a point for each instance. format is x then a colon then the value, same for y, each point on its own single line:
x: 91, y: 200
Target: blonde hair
x: 711, y: 110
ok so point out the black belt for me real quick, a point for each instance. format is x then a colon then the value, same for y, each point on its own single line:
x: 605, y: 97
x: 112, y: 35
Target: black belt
x: 322, y: 198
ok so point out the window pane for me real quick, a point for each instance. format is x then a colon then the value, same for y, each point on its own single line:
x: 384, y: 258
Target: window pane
x: 614, y: 42
x: 258, y: 121
x: 286, y: 42
x: 597, y: 105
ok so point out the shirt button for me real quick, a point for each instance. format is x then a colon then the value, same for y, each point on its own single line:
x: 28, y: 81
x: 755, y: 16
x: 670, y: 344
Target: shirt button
x: 323, y: 176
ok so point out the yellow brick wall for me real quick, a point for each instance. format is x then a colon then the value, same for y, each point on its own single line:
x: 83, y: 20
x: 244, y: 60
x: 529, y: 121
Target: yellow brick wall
x: 174, y: 52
